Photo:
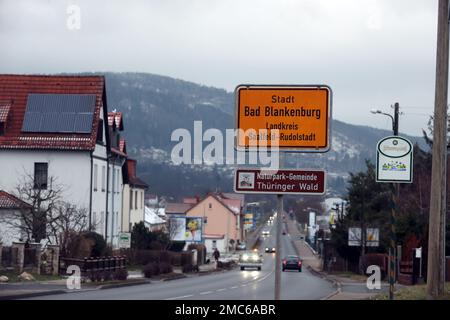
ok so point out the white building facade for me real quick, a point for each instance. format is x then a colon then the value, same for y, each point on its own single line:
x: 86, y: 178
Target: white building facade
x: 54, y: 128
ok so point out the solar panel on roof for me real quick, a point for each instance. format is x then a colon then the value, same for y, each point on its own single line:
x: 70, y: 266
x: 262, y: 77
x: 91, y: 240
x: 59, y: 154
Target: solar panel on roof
x: 62, y: 113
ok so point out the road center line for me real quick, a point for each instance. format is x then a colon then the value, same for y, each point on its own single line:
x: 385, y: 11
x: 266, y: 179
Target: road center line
x: 180, y: 297
x: 206, y: 292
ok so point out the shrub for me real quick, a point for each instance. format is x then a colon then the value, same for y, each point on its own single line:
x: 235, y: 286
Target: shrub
x: 99, y: 247
x: 165, y: 267
x: 187, y: 268
x: 151, y: 269
x: 164, y: 256
x: 177, y: 246
x: 143, y: 257
x: 121, y: 274
x: 107, y: 276
x: 186, y: 258
x: 175, y: 258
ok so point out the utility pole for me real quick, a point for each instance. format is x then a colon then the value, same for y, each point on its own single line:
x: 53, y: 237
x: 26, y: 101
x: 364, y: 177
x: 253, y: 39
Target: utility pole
x: 278, y: 239
x: 436, y: 241
x: 395, y: 196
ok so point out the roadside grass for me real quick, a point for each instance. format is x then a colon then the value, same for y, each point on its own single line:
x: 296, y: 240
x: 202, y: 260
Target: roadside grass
x: 417, y: 292
x: 351, y: 276
x: 13, y: 276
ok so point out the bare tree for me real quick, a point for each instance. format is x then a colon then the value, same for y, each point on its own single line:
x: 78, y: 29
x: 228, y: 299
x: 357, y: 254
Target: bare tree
x: 36, y: 212
x: 43, y: 214
x: 174, y: 225
x: 68, y: 219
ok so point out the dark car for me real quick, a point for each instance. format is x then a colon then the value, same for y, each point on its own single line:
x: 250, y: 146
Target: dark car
x: 284, y: 232
x: 270, y: 249
x: 292, y: 263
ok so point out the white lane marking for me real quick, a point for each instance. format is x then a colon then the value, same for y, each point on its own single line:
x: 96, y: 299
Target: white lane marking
x: 206, y: 292
x: 243, y: 285
x: 220, y: 290
x: 235, y: 287
x: 180, y: 297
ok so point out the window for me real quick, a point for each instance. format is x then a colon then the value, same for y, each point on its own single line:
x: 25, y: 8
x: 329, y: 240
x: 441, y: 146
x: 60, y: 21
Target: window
x: 113, y: 181
x: 95, y: 176
x: 210, y: 205
x: 2, y: 128
x: 40, y: 175
x: 205, y: 220
x: 94, y: 220
x: 135, y: 199
x: 100, y: 131
x: 117, y: 181
x: 109, y: 183
x: 102, y: 221
x: 103, y: 178
x: 131, y: 199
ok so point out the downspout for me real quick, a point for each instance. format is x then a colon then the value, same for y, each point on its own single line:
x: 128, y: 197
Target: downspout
x: 112, y: 202
x: 107, y: 202
x: 228, y: 232
x: 90, y: 194
x: 129, y: 207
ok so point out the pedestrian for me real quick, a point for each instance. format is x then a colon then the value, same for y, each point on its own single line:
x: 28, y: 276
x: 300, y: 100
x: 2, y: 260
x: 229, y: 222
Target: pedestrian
x: 216, y: 255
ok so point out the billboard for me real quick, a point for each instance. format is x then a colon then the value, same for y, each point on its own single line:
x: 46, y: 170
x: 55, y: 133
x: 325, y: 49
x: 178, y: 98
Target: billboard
x: 372, y: 237
x: 354, y: 236
x: 186, y: 229
x: 193, y: 232
x: 177, y: 228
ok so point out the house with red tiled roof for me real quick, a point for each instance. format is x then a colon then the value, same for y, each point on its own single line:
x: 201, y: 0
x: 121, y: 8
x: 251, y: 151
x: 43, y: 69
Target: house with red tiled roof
x: 133, y: 196
x: 11, y: 208
x: 59, y: 126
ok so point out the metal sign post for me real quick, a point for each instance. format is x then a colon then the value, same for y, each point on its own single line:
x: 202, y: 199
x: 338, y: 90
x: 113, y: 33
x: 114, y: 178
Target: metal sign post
x: 394, y: 165
x: 292, y: 118
x: 280, y: 213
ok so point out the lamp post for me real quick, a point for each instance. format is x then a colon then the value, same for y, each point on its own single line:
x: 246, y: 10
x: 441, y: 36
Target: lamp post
x: 395, y: 194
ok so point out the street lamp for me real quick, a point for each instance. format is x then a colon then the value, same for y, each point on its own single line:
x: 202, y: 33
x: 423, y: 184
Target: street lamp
x: 393, y: 118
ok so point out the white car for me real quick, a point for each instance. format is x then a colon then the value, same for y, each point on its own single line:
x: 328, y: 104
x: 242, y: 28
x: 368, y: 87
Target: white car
x: 250, y: 259
x: 266, y: 232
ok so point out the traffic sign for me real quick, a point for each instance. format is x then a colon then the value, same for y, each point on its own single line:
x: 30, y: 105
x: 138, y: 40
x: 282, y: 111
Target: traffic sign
x: 298, y: 117
x: 124, y: 240
x: 287, y: 181
x: 394, y: 160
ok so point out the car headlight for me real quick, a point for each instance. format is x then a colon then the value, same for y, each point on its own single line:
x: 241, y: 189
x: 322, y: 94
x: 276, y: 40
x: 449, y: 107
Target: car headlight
x: 245, y: 257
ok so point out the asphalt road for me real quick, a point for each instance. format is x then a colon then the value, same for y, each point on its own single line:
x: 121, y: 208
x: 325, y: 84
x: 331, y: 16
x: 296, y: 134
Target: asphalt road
x: 231, y: 285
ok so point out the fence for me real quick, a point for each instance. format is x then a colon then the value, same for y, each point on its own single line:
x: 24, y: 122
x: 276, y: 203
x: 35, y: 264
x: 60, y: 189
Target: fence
x: 30, y: 257
x: 93, y: 265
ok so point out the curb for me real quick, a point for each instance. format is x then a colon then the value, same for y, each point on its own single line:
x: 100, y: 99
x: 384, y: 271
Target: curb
x: 335, y: 283
x: 181, y: 276
x: 32, y: 294
x: 310, y: 248
x: 120, y: 285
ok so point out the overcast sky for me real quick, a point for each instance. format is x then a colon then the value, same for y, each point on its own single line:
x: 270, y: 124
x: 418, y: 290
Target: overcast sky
x: 372, y: 53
